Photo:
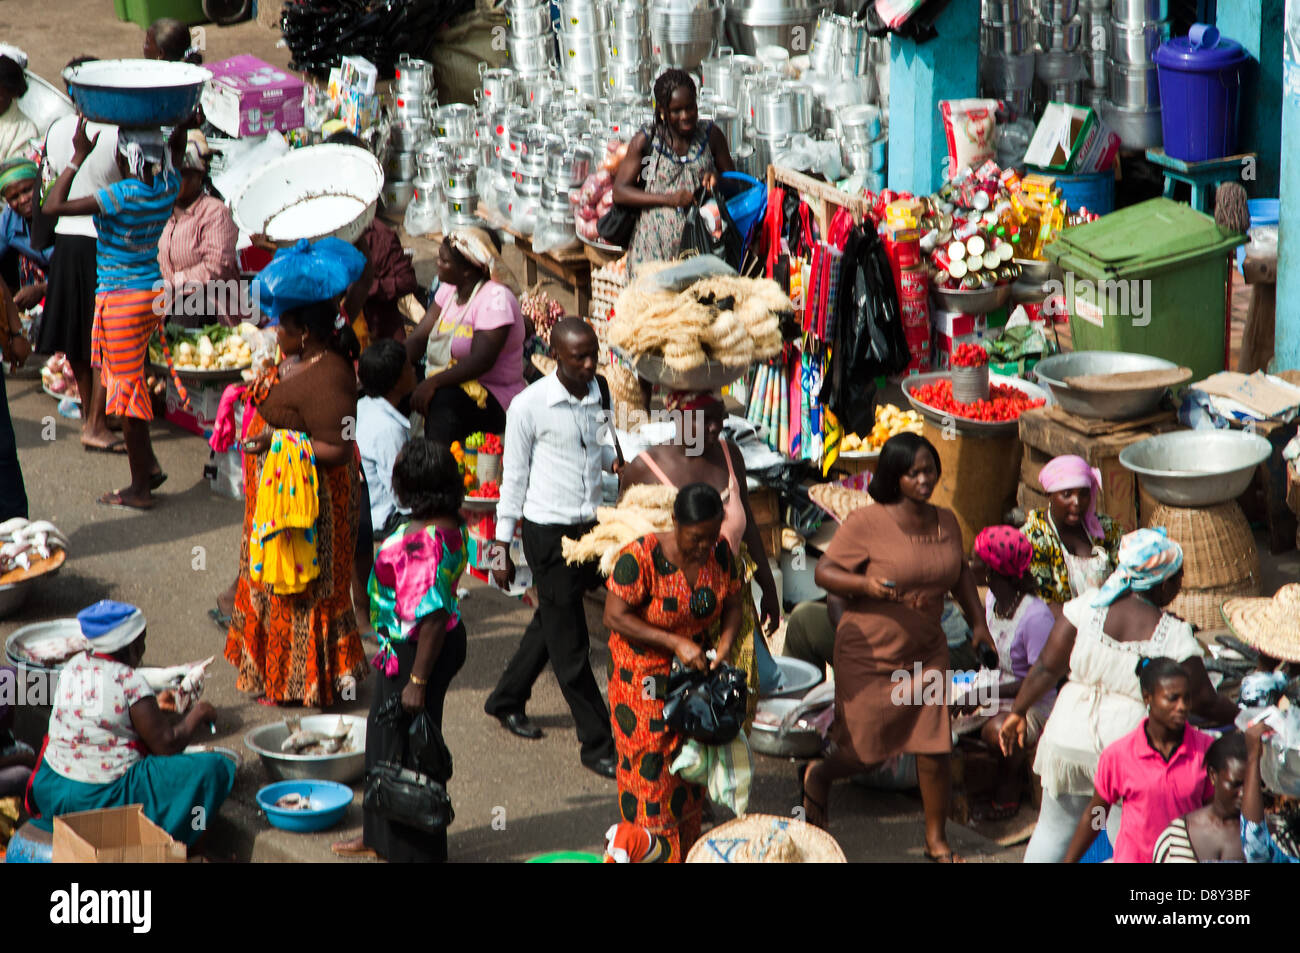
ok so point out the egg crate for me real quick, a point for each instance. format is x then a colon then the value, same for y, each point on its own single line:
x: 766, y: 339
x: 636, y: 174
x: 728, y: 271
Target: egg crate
x: 606, y: 285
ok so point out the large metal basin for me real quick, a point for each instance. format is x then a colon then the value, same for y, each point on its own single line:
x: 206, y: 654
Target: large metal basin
x: 136, y: 93
x: 965, y: 425
x: 1118, y: 405
x: 312, y: 193
x: 344, y: 767
x: 1196, y: 467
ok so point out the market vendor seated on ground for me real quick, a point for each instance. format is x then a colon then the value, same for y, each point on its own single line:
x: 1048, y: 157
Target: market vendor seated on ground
x: 110, y: 745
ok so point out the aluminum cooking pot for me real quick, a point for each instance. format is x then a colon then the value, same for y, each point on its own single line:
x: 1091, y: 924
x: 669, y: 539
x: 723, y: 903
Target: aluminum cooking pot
x: 407, y: 135
x: 454, y: 121
x: 1139, y: 11
x: 499, y: 87
x: 413, y: 75
x: 1007, y: 37
x: 528, y: 21
x: 1057, y: 11
x: 400, y: 165
x: 1005, y: 11
x: 584, y: 53
x: 1134, y: 86
x: 1136, y: 44
x: 461, y: 177
x: 1060, y: 36
x: 582, y: 16
x: 783, y: 109
x: 531, y: 54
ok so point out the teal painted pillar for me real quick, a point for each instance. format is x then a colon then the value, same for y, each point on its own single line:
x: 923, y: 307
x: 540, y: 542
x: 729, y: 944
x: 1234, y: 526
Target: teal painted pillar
x: 946, y: 67
x: 1287, y: 347
x: 1257, y: 26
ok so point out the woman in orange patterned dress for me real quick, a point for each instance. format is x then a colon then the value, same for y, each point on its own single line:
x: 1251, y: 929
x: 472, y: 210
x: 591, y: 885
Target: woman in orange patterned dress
x: 304, y: 647
x: 672, y: 596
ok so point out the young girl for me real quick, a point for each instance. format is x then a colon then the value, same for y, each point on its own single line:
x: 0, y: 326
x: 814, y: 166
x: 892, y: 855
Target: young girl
x: 1020, y: 623
x: 421, y: 637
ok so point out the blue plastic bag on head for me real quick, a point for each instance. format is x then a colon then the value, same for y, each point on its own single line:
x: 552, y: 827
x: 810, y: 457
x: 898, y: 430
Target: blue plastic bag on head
x: 306, y: 273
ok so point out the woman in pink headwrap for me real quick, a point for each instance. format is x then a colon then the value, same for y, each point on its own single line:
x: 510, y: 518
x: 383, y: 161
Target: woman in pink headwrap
x: 1074, y: 546
x: 1020, y: 623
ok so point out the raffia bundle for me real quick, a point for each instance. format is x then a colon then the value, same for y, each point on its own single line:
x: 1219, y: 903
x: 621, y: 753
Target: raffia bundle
x: 642, y: 510
x: 689, y: 328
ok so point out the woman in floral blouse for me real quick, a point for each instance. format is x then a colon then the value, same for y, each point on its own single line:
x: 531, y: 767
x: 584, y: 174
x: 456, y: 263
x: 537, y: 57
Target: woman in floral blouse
x: 1075, y: 547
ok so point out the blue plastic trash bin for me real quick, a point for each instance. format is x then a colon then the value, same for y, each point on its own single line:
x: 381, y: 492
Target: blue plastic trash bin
x: 1200, y: 89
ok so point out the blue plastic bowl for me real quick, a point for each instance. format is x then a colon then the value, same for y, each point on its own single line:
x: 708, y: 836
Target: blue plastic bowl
x: 136, y: 93
x: 746, y: 200
x: 1262, y: 212
x: 330, y: 800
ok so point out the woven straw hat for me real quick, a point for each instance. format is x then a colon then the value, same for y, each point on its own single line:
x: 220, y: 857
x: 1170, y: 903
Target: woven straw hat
x: 1270, y: 625
x: 766, y: 839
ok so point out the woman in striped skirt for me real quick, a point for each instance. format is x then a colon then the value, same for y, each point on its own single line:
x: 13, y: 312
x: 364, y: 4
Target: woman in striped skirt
x: 129, y: 218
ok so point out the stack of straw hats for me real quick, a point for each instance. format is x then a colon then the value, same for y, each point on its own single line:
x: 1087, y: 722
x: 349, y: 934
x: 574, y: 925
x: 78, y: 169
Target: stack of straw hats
x: 1270, y: 625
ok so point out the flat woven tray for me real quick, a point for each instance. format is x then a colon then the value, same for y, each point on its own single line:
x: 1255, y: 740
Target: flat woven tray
x: 838, y: 501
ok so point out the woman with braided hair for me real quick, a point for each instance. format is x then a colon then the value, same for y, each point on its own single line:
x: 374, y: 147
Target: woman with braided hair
x: 664, y: 166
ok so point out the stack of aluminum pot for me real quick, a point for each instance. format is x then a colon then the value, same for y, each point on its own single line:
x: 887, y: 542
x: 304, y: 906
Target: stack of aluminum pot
x: 530, y: 41
x: 684, y: 32
x: 843, y: 76
x: 1060, y: 66
x: 723, y: 99
x: 453, y: 163
x: 1132, y: 109
x: 631, y: 61
x: 1006, y: 69
x: 584, y: 39
x: 412, y: 102
x: 1095, y: 15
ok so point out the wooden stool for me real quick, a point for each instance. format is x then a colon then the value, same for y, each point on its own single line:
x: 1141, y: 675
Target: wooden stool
x: 1203, y: 177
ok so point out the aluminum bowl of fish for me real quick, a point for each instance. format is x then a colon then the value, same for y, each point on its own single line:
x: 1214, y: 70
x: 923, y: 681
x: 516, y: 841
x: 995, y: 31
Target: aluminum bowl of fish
x: 315, y: 748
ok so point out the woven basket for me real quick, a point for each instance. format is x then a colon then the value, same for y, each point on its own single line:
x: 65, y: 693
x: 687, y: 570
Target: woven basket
x: 1200, y: 607
x: 1218, y: 547
x: 606, y: 285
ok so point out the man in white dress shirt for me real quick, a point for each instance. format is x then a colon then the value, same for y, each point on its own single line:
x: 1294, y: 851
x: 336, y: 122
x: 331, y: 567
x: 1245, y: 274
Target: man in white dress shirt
x: 551, y: 486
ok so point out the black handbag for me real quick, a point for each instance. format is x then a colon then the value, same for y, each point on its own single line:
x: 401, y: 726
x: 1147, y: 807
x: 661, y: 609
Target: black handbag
x: 708, y: 707
x: 407, y: 785
x: 618, y: 225
x: 709, y: 229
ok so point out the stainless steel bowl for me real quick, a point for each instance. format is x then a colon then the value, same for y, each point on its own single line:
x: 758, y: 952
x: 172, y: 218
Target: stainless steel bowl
x: 1196, y: 467
x: 1134, y: 87
x: 1031, y: 269
x: 786, y: 739
x: 344, y: 767
x: 1059, y: 36
x: 1057, y: 11
x: 1135, y: 43
x: 1139, y: 128
x: 1139, y: 11
x: 1016, y: 37
x: 981, y: 301
x: 1122, y: 405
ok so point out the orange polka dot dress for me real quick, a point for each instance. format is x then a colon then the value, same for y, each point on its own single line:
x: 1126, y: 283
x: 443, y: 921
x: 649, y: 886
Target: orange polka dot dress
x: 649, y: 795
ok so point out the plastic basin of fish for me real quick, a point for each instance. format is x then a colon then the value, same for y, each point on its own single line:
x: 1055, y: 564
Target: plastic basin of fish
x: 343, y: 766
x: 329, y: 801
x: 136, y: 93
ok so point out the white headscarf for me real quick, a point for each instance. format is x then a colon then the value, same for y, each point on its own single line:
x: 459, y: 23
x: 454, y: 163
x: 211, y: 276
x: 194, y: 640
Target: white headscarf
x: 477, y: 248
x: 13, y: 53
x: 144, y: 148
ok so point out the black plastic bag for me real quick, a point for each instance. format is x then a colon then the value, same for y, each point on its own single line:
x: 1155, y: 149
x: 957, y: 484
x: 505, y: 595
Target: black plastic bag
x: 709, y: 229
x: 618, y: 225
x: 708, y: 707
x: 422, y: 748
x: 869, y: 340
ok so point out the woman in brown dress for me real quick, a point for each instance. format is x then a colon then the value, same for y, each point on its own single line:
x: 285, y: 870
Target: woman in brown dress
x: 304, y: 647
x: 894, y: 561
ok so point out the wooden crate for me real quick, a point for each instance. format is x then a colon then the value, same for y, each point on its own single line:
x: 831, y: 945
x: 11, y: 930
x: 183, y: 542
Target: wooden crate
x: 1049, y: 432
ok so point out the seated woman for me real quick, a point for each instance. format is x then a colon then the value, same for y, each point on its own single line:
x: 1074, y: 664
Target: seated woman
x: 671, y: 596
x: 1020, y: 623
x: 475, y: 322
x: 1256, y: 841
x: 1212, y: 833
x: 1096, y: 643
x: 1074, y: 546
x: 18, y: 181
x: 1156, y: 771
x: 421, y: 636
x: 110, y: 745
x: 196, y: 250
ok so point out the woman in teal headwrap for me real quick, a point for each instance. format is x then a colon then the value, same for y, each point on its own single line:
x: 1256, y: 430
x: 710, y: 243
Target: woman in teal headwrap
x: 18, y: 181
x: 1096, y: 643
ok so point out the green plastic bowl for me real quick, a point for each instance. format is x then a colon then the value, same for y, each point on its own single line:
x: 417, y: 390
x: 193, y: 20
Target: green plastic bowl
x: 566, y: 857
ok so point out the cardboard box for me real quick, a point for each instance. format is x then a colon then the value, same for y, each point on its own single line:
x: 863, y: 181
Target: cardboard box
x: 199, y: 417
x: 119, y: 835
x: 1072, y: 139
x: 955, y: 323
x: 357, y: 72
x: 247, y: 97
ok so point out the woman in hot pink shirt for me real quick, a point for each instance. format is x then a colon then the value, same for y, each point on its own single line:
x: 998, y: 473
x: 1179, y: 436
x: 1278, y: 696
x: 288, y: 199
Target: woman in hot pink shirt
x: 1157, y: 772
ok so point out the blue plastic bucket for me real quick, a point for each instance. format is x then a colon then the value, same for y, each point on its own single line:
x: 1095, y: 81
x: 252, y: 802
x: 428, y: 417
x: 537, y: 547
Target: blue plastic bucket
x: 746, y: 200
x: 1262, y: 212
x: 1200, y: 90
x: 1094, y: 191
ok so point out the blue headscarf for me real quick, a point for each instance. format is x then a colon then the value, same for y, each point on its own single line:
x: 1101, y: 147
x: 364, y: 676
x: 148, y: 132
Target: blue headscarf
x: 1147, y: 557
x: 306, y: 273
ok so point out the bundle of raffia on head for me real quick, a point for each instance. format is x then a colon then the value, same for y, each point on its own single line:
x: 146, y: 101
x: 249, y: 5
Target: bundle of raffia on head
x: 732, y: 320
x: 642, y: 510
x: 630, y: 409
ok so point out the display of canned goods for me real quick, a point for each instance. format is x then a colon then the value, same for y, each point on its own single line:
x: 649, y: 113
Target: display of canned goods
x: 958, y: 270
x: 1005, y: 251
x: 991, y: 261
x: 956, y: 250
x: 930, y: 241
x: 975, y: 246
x: 971, y: 283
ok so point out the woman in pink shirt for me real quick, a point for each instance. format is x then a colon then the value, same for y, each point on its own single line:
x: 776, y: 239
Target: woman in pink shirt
x: 1157, y: 771
x: 476, y: 310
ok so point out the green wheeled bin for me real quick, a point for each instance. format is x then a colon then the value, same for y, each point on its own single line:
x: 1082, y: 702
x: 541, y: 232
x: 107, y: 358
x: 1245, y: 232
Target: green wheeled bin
x: 1148, y: 279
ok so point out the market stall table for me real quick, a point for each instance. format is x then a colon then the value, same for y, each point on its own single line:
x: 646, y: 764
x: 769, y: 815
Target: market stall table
x: 571, y: 266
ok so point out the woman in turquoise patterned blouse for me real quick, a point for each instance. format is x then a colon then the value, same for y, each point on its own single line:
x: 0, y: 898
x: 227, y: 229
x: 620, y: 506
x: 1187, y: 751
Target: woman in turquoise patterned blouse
x: 421, y: 637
